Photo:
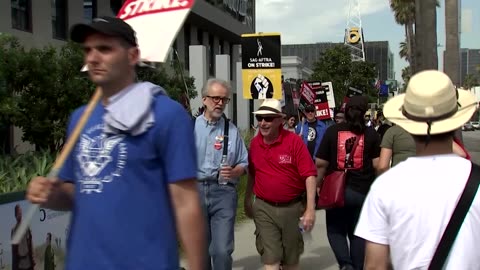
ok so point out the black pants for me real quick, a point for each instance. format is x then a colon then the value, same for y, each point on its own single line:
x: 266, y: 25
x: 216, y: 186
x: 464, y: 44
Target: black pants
x: 341, y: 224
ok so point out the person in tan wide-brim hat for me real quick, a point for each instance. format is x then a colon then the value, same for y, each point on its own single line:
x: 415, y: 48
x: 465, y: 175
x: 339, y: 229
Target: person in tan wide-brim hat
x: 409, y: 206
x: 431, y: 105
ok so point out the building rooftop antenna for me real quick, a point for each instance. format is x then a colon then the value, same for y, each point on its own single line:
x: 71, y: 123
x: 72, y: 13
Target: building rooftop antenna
x: 354, y: 31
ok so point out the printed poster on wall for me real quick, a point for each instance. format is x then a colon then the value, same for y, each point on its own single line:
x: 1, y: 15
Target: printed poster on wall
x: 43, y: 246
x: 261, y: 66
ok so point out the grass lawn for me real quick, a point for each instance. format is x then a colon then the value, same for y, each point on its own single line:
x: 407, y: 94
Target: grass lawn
x: 242, y: 185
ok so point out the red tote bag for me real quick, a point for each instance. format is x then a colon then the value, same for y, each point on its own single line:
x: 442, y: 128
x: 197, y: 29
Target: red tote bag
x: 332, y: 190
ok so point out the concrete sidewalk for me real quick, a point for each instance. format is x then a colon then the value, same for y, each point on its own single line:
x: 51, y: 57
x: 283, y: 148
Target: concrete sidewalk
x: 317, y: 255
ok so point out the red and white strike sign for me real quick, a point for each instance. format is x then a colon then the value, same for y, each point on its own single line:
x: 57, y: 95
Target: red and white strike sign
x: 156, y: 23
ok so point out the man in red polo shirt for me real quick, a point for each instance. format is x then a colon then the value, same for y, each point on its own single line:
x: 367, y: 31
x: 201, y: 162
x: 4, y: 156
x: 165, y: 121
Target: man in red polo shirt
x: 281, y: 171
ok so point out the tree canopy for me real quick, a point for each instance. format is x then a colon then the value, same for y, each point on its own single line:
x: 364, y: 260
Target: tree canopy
x: 335, y: 65
x: 40, y: 87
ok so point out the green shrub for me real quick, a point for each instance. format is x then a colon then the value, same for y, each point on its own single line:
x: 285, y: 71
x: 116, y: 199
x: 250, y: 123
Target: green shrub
x: 247, y: 135
x: 241, y: 188
x: 16, y: 171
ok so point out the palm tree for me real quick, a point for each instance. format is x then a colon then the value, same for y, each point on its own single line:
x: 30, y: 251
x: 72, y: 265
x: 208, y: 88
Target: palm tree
x: 426, y: 35
x: 452, y: 47
x: 470, y: 81
x: 406, y: 74
x: 404, y: 12
x: 403, y: 53
x: 452, y: 41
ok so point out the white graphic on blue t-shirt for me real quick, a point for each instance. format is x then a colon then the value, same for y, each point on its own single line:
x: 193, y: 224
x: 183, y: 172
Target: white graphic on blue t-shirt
x: 312, y: 134
x: 101, y: 158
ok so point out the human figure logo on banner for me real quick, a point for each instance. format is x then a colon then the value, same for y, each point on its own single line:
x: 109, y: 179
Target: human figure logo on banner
x: 260, y: 47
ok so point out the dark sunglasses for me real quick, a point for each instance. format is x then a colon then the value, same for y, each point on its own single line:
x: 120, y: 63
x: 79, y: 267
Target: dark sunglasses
x: 309, y: 111
x: 266, y: 118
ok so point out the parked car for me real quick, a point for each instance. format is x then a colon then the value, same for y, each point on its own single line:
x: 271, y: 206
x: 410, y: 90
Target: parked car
x: 476, y: 124
x: 468, y: 127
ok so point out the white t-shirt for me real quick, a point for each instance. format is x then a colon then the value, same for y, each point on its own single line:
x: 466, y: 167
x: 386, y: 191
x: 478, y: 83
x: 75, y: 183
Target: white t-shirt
x: 409, y: 207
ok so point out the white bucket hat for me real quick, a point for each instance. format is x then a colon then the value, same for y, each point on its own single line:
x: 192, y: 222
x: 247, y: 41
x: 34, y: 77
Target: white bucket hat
x: 270, y: 106
x: 431, y: 105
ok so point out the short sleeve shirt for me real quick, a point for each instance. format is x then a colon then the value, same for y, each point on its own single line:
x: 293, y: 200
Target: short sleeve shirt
x: 400, y: 142
x: 121, y: 190
x: 281, y: 168
x: 336, y: 147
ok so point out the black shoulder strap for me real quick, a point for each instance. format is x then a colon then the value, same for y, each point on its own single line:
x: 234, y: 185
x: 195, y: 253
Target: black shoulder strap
x: 225, y: 135
x: 456, y: 221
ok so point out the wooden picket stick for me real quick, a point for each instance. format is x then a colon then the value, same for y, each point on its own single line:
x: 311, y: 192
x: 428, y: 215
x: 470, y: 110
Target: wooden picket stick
x: 60, y: 160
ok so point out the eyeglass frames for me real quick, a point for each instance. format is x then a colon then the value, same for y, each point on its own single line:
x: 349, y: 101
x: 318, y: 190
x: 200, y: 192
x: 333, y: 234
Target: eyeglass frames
x: 217, y: 99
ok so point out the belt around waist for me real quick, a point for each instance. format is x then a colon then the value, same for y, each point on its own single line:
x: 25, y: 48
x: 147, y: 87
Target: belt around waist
x: 282, y: 204
x: 210, y: 181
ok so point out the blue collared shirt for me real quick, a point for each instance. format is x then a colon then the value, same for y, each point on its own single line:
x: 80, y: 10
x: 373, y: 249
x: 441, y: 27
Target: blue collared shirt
x: 209, y: 141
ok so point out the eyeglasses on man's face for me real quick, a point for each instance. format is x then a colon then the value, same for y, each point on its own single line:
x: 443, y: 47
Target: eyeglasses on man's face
x: 217, y: 99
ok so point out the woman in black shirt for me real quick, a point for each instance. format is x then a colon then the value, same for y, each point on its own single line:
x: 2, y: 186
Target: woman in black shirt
x: 334, y: 154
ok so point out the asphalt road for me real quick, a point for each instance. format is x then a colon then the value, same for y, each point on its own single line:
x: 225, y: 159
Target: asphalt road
x: 471, y: 139
x: 318, y: 255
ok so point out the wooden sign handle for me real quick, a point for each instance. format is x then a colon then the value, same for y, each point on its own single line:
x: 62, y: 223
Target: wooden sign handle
x: 60, y: 160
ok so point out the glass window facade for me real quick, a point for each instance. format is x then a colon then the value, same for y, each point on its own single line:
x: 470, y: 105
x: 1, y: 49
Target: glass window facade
x: 59, y: 19
x: 89, y: 10
x: 21, y: 15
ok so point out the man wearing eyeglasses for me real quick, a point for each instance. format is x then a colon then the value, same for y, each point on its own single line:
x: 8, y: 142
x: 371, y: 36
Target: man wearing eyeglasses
x: 280, y: 172
x: 312, y: 130
x: 219, y: 200
x: 340, y: 117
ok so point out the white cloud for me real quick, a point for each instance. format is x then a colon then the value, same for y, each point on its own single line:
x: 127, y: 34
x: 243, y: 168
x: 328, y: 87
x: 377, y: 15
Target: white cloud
x: 309, y: 21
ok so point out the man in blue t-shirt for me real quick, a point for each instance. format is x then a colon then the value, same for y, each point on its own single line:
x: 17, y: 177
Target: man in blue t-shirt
x: 312, y: 130
x: 130, y: 180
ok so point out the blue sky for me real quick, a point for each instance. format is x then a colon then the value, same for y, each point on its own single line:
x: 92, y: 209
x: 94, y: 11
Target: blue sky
x: 311, y: 21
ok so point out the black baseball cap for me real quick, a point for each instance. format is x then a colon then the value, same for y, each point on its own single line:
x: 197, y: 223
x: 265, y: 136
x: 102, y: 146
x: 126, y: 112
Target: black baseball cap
x: 106, y: 25
x: 310, y: 108
x: 358, y: 102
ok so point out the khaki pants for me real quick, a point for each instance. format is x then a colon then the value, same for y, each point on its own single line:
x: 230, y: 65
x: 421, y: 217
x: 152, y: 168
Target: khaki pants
x: 278, y: 237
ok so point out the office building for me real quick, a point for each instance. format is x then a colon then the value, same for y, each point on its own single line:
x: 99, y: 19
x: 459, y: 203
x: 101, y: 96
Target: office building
x: 376, y: 52
x: 469, y: 64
